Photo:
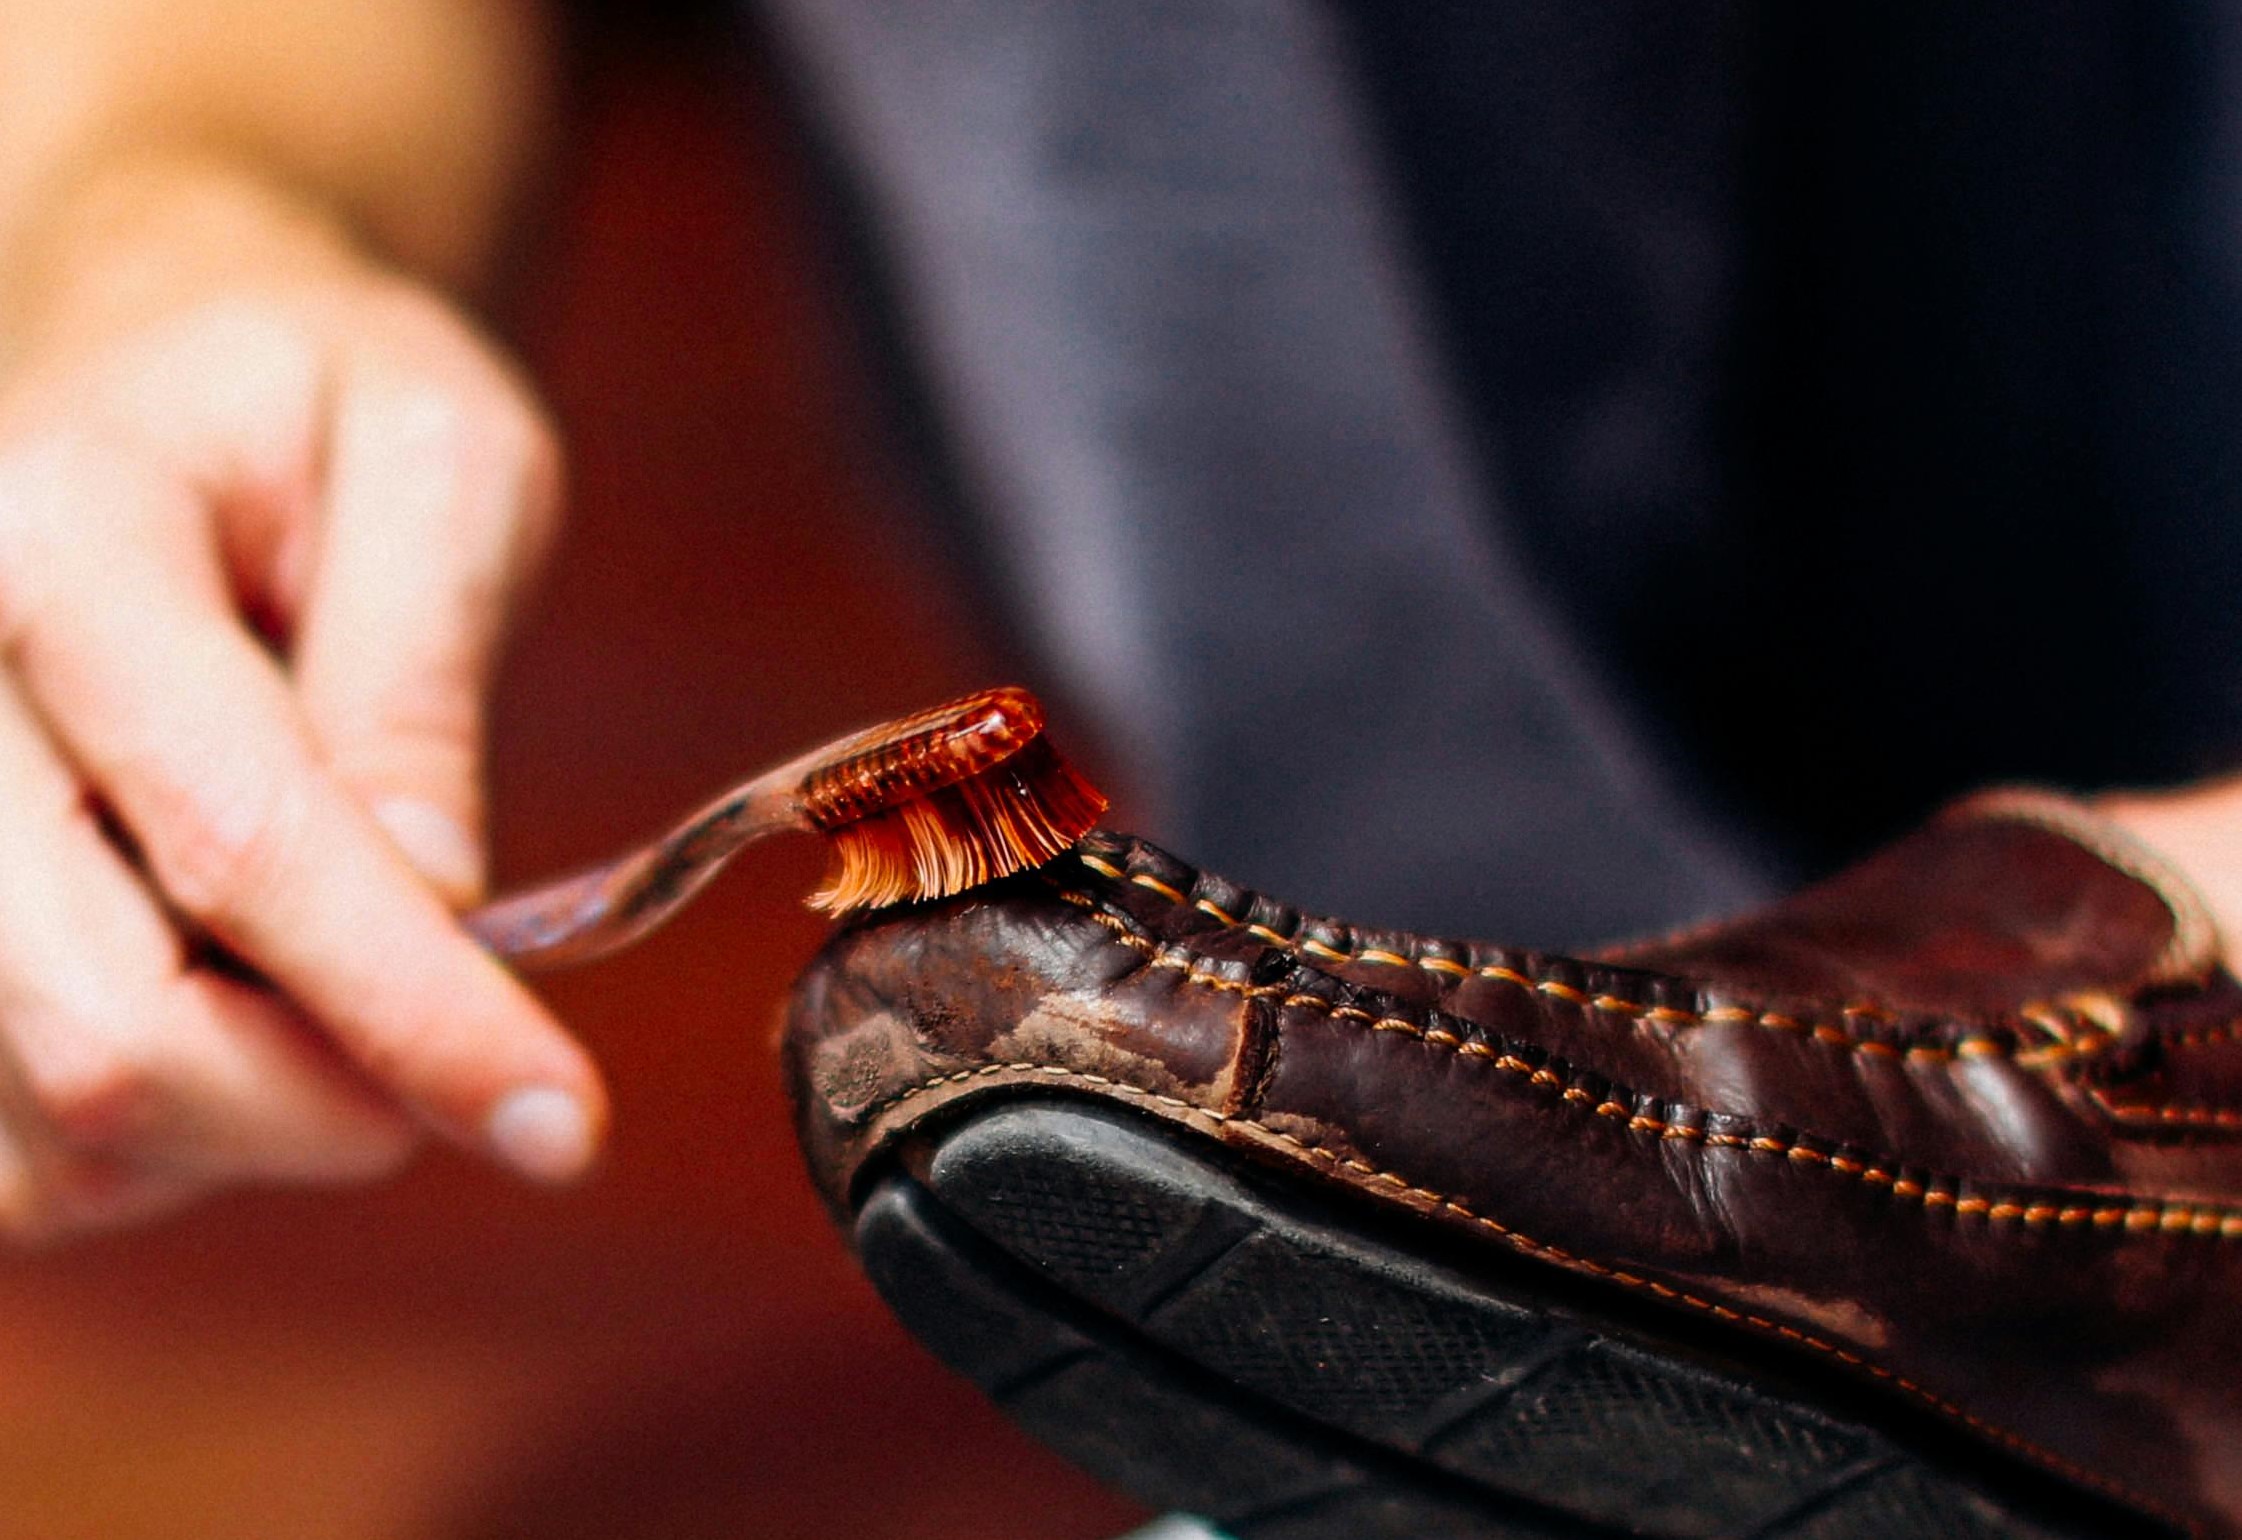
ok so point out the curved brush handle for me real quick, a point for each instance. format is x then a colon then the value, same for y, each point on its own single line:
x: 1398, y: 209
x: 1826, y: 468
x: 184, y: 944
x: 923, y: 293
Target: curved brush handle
x: 595, y: 912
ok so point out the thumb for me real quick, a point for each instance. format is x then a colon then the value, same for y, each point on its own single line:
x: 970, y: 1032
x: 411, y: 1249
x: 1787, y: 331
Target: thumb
x: 435, y: 493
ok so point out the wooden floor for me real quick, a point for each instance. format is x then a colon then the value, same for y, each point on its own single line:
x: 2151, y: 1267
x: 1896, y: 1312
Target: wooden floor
x: 681, y: 1348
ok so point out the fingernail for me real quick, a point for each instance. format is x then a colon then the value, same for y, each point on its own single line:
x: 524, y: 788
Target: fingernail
x: 433, y: 841
x: 543, y: 1133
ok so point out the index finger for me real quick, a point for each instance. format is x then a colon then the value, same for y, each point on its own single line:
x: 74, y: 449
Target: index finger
x: 188, y: 728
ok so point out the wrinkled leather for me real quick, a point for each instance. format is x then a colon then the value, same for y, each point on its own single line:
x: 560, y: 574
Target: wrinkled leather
x: 1964, y: 1122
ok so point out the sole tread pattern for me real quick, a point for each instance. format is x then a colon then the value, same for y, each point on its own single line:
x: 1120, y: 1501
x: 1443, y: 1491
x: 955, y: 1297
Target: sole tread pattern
x: 1159, y: 1313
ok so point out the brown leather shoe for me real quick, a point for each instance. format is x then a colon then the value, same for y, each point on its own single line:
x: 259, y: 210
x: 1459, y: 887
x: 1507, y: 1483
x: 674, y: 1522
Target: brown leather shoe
x: 1911, y: 1206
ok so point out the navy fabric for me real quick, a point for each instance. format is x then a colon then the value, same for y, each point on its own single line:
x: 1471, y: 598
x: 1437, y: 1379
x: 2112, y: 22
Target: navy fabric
x: 1866, y: 377
x: 1561, y: 469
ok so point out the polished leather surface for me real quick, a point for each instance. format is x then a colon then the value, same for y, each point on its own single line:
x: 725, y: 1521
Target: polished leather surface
x: 1964, y: 1123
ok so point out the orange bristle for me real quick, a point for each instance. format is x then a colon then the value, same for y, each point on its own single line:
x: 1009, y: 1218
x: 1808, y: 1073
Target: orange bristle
x: 947, y: 800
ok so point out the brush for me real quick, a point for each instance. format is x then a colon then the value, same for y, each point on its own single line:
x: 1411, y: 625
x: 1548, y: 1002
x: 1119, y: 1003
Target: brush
x: 918, y: 808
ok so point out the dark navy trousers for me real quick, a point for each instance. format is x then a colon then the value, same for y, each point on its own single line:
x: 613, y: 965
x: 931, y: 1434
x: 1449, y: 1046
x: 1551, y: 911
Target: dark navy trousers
x: 1559, y: 470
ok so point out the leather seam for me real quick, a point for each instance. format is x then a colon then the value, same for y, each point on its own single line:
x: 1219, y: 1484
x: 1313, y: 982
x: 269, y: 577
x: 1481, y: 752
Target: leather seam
x: 1370, y: 1176
x: 1259, y: 1043
x: 1931, y: 1191
x: 2068, y: 1042
x: 2204, y: 1037
x: 2135, y: 1116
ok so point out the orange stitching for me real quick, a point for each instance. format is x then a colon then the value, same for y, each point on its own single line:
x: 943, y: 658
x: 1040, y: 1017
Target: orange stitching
x: 1172, y: 894
x: 2167, y: 1214
x: 1673, y: 1015
x: 2195, y: 1116
x: 1188, y: 966
x: 1526, y: 1244
x: 2206, y: 1037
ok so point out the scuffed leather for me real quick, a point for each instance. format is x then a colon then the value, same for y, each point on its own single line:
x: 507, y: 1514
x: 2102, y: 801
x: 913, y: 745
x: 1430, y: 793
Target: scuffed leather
x: 1964, y: 1122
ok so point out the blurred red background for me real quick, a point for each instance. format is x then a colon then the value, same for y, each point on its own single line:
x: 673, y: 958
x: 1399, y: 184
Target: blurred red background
x: 681, y: 1347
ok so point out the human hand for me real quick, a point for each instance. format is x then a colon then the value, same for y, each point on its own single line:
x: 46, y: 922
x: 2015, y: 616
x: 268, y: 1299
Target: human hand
x: 2198, y: 830
x: 264, y: 506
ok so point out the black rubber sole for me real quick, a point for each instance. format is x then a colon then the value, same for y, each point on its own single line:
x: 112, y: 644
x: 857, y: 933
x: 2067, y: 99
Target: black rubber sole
x: 1179, y: 1324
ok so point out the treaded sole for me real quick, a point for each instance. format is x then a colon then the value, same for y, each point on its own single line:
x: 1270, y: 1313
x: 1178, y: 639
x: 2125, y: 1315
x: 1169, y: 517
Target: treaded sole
x: 1170, y: 1318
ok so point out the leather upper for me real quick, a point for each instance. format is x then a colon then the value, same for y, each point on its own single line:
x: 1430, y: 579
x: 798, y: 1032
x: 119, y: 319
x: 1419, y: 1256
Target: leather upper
x: 1964, y: 1122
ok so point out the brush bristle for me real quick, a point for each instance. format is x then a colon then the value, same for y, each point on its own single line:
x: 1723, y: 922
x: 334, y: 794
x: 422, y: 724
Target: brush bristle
x: 1002, y: 819
x: 943, y: 801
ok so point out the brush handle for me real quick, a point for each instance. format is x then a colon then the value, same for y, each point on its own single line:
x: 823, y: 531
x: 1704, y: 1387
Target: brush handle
x: 569, y: 920
x: 592, y: 913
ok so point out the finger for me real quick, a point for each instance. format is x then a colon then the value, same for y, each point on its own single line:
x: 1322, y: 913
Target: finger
x: 189, y: 730
x: 227, y: 397
x: 49, y: 1192
x: 119, y: 1053
x: 68, y: 1194
x: 438, y: 487
x: 21, y: 1212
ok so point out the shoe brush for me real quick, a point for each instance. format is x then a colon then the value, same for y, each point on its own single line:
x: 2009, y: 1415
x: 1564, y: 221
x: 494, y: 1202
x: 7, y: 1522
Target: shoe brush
x: 918, y: 808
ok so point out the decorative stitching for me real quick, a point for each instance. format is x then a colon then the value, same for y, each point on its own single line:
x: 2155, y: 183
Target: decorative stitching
x: 2070, y: 1041
x: 2206, y: 1037
x: 1147, y: 880
x: 2196, y: 1115
x: 2063, y: 1027
x: 1618, y: 1103
x: 1517, y: 1240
